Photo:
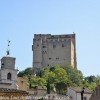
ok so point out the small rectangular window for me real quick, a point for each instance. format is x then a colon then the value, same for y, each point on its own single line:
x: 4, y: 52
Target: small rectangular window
x: 62, y: 45
x: 44, y: 52
x: 48, y: 64
x: 49, y: 58
x: 52, y: 36
x: 32, y: 47
x: 44, y: 46
x: 57, y: 58
x: 84, y: 98
x: 2, y: 63
x: 22, y: 82
x: 54, y: 46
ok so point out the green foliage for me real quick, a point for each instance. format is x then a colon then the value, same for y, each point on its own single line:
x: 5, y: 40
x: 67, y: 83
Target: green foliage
x: 92, y: 86
x: 48, y: 87
x: 60, y: 74
x: 85, y: 84
x: 45, y: 73
x: 59, y: 78
x: 91, y: 79
x: 75, y: 76
x: 21, y: 74
x: 37, y: 81
x: 98, y: 80
x: 61, y: 87
x: 26, y: 72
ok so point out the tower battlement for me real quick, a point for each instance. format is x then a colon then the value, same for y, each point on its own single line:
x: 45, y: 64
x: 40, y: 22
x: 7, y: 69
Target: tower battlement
x: 49, y: 36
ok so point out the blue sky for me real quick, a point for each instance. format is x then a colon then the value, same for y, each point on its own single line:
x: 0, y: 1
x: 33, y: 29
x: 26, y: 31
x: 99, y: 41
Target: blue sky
x: 21, y: 19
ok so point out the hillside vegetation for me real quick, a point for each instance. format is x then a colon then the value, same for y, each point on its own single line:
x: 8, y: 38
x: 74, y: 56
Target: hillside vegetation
x: 59, y: 78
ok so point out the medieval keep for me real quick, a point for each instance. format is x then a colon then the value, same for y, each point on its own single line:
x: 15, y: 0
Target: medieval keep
x: 50, y: 50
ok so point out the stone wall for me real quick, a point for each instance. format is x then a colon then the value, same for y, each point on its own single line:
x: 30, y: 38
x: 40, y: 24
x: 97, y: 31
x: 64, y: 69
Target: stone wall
x: 50, y: 50
x: 96, y: 94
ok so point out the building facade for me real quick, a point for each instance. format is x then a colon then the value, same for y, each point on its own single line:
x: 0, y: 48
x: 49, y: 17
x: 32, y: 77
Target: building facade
x: 8, y: 81
x: 8, y: 73
x: 96, y: 94
x: 50, y: 50
x: 75, y: 93
x: 22, y: 83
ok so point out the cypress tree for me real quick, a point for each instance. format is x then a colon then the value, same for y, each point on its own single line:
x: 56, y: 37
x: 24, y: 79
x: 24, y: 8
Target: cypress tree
x: 48, y: 86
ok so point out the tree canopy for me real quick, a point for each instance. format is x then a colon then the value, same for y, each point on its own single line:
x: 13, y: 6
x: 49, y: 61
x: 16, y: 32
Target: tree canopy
x: 58, y: 78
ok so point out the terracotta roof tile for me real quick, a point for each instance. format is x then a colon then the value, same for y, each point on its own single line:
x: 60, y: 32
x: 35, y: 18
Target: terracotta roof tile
x: 5, y: 90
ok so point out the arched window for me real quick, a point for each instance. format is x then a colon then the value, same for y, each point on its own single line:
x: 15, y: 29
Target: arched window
x: 9, y: 76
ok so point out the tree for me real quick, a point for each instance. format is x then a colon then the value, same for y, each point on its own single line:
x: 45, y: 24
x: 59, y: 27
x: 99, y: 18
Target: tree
x: 91, y: 79
x: 21, y: 74
x: 59, y: 78
x: 61, y: 87
x: 92, y: 86
x: 27, y: 71
x: 55, y: 77
x: 98, y: 80
x: 37, y: 81
x: 75, y: 76
x: 48, y: 86
x: 45, y: 73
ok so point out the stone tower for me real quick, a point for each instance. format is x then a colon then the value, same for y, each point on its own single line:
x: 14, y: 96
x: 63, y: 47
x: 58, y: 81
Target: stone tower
x: 8, y: 73
x: 50, y: 50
